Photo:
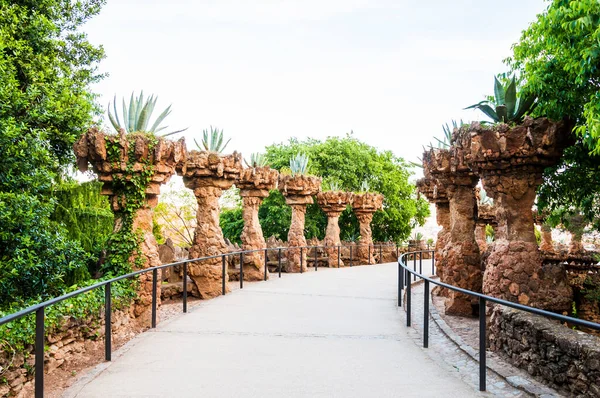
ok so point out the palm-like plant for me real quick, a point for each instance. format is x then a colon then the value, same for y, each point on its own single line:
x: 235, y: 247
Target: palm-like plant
x: 299, y: 164
x: 137, y: 115
x: 212, y: 140
x: 506, y: 106
x: 256, y: 160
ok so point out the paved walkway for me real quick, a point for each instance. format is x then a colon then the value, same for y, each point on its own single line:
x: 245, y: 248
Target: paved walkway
x: 331, y: 333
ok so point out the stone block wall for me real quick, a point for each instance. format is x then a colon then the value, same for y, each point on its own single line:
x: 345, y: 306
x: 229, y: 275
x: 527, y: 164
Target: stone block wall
x: 565, y: 359
x: 74, y: 341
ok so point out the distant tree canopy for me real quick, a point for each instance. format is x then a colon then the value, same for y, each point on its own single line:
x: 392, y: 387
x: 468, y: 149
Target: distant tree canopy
x: 347, y: 162
x: 46, y: 67
x: 558, y: 59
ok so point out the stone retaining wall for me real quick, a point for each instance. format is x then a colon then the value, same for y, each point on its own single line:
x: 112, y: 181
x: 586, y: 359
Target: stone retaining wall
x: 565, y: 359
x: 74, y: 341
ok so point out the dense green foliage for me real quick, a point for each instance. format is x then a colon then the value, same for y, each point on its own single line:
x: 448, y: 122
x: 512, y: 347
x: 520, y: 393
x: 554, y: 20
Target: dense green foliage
x: 558, y: 58
x: 46, y: 67
x: 348, y: 162
x: 232, y: 224
x: 86, y: 216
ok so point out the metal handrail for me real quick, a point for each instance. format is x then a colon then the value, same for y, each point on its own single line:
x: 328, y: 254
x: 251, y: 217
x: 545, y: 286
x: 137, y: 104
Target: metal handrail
x: 404, y: 282
x: 39, y: 309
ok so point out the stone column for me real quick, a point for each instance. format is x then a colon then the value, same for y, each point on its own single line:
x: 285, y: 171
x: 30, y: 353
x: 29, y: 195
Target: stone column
x: 254, y: 184
x: 333, y: 204
x: 298, y: 191
x: 510, y: 162
x: 461, y: 254
x: 576, y: 227
x: 365, y: 205
x: 485, y: 216
x: 208, y: 174
x: 547, y: 245
x: 115, y: 169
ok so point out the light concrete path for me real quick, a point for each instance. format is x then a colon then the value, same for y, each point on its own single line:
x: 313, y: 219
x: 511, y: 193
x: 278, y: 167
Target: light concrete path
x: 331, y: 333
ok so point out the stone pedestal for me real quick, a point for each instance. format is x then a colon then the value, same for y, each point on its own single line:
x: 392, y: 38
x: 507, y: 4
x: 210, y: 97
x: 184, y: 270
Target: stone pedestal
x: 333, y: 204
x: 208, y: 174
x: 486, y: 215
x: 435, y: 192
x: 547, y: 244
x: 461, y: 254
x: 254, y: 184
x: 364, y: 206
x: 298, y: 191
x: 510, y: 162
x: 576, y: 227
x: 119, y: 161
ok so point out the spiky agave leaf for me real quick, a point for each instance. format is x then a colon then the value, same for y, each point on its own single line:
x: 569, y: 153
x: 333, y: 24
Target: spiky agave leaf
x: 256, y: 160
x: 299, y: 164
x: 498, y: 91
x: 137, y: 115
x: 212, y: 140
x: 511, y: 99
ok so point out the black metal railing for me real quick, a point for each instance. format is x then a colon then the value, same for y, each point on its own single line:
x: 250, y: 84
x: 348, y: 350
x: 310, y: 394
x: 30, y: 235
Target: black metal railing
x: 39, y: 309
x: 404, y: 272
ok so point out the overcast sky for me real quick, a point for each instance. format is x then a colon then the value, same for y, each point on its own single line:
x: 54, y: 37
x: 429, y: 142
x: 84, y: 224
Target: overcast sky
x: 390, y: 70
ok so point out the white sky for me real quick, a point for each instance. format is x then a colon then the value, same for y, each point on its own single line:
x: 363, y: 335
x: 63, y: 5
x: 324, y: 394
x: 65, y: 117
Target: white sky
x: 266, y: 70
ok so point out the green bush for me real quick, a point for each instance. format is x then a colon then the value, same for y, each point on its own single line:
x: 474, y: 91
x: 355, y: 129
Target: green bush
x: 232, y: 224
x: 36, y: 258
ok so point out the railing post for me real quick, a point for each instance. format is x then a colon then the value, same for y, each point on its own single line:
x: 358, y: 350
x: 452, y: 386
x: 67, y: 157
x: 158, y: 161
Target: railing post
x: 39, y: 352
x: 415, y: 265
x: 184, y: 287
x: 266, y: 262
x: 339, y: 254
x: 241, y: 270
x: 223, y: 264
x: 107, y: 323
x: 482, y: 344
x: 351, y: 255
x: 433, y: 263
x: 380, y: 254
x: 369, y: 258
x: 400, y: 283
x: 421, y: 262
x: 426, y: 316
x: 397, y: 251
x: 301, y: 258
x: 279, y: 262
x: 408, y: 289
x: 154, y: 298
x: 316, y: 258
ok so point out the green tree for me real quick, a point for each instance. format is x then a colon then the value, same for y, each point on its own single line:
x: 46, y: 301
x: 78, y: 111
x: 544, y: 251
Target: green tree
x: 232, y: 223
x: 46, y: 67
x: 349, y: 162
x: 558, y: 58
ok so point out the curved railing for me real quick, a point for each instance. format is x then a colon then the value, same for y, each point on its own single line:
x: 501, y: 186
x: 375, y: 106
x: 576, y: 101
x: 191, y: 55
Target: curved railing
x: 39, y: 309
x: 404, y: 273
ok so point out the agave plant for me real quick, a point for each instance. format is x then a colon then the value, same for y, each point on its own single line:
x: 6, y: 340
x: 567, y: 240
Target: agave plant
x: 333, y: 184
x: 136, y: 116
x: 256, y: 160
x: 212, y: 140
x: 365, y: 186
x: 506, y: 106
x: 484, y: 199
x: 417, y: 236
x: 299, y: 164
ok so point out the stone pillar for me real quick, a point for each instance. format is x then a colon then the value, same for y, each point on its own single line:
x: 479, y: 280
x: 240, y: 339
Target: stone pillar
x: 547, y: 245
x: 461, y: 254
x: 208, y: 174
x: 129, y: 155
x: 485, y: 216
x: 333, y: 204
x: 298, y: 191
x: 480, y: 236
x: 254, y: 184
x: 365, y: 205
x: 442, y: 212
x: 510, y: 162
x: 576, y: 227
